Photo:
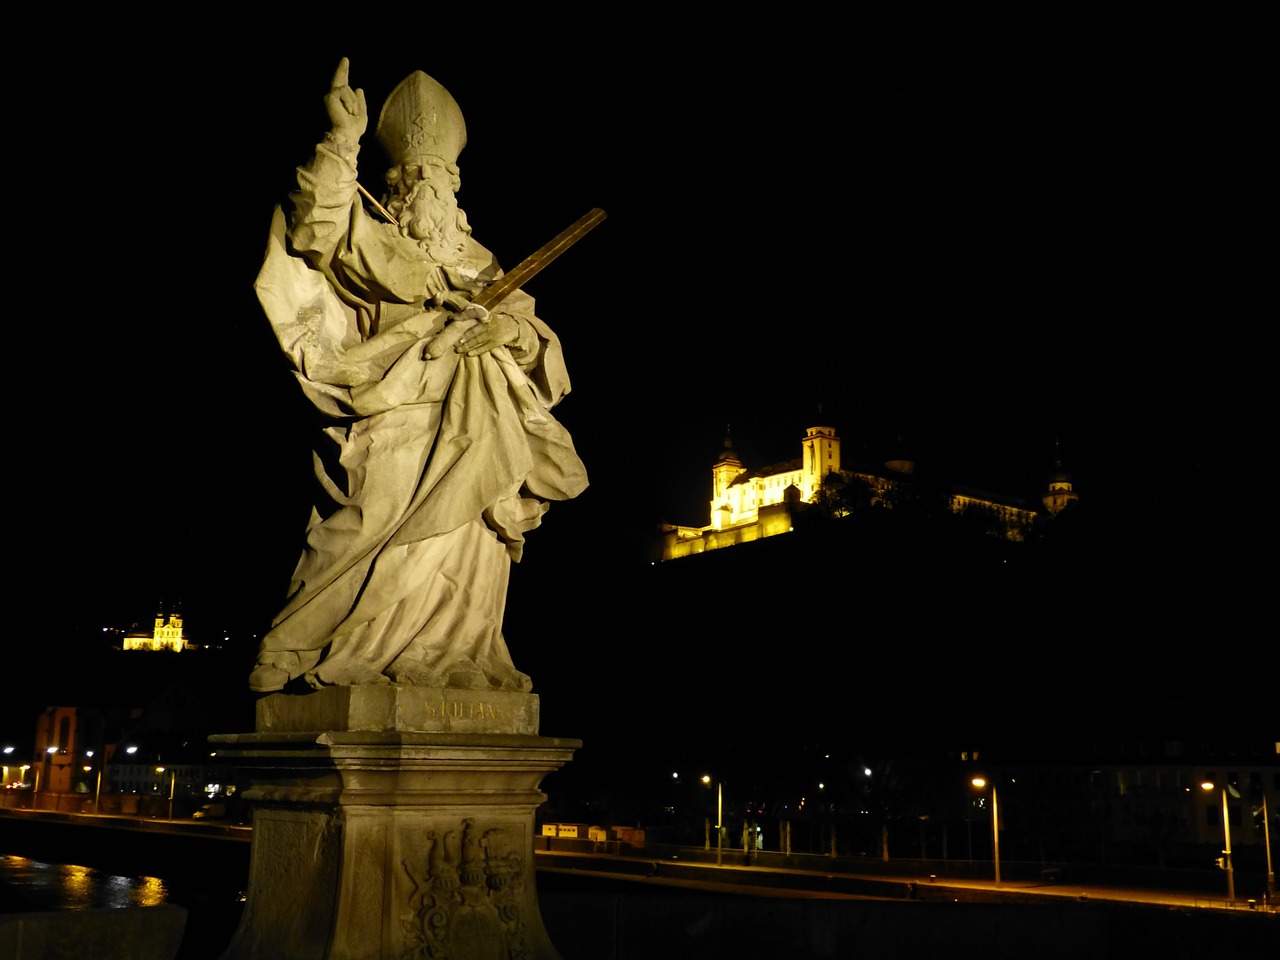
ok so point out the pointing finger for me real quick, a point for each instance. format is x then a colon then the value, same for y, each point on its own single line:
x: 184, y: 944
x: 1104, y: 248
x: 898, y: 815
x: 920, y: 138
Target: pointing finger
x: 340, y: 75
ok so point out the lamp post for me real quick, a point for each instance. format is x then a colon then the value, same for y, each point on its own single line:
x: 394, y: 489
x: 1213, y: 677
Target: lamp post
x: 980, y: 782
x: 1226, y: 837
x: 1266, y: 842
x: 719, y: 817
x: 89, y: 767
x: 49, y: 753
x: 173, y: 778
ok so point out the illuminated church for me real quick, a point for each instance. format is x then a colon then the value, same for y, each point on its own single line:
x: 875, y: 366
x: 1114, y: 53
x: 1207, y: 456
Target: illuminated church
x: 167, y: 635
x: 748, y: 505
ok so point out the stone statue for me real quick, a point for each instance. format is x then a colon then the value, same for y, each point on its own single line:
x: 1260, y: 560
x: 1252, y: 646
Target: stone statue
x: 438, y: 450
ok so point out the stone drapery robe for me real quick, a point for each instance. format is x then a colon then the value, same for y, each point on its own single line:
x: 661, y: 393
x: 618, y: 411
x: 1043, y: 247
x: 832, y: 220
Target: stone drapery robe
x: 431, y: 469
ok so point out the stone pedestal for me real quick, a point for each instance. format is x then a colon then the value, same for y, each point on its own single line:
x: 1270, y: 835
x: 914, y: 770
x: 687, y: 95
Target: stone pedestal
x: 393, y: 822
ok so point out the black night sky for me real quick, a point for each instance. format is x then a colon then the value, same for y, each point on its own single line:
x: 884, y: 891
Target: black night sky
x: 971, y: 250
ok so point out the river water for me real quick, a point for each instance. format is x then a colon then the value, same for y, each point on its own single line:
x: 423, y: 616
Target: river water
x: 213, y: 898
x: 61, y: 886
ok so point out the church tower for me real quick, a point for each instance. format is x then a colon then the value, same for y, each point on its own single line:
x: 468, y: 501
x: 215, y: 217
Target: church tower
x: 726, y: 469
x: 821, y: 457
x: 1061, y: 492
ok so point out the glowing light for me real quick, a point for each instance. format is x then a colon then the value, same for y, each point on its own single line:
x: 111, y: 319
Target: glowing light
x: 978, y: 782
x: 150, y: 893
x: 131, y: 750
x: 8, y: 749
x: 77, y: 885
x: 51, y: 750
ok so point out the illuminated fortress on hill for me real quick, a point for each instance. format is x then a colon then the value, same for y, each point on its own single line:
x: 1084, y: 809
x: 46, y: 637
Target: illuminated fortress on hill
x: 748, y: 505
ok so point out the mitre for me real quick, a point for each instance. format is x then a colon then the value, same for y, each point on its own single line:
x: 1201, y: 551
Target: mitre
x: 421, y: 123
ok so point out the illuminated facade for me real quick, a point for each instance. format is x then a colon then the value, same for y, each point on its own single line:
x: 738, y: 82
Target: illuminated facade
x: 167, y: 635
x: 749, y: 505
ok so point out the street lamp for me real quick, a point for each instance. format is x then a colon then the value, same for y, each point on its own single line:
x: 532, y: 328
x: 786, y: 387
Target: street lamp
x: 97, y: 790
x: 1266, y: 842
x: 173, y: 779
x: 719, y: 817
x: 47, y: 763
x: 980, y: 782
x: 1225, y: 859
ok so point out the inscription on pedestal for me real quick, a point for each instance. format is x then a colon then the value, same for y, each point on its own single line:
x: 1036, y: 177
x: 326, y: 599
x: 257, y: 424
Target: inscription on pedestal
x: 401, y: 707
x: 462, y: 710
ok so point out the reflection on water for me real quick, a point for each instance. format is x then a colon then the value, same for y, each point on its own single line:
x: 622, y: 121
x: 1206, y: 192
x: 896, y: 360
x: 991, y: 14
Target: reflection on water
x: 53, y: 886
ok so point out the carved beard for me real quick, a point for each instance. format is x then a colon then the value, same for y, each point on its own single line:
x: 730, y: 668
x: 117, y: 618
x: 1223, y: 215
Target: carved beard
x: 438, y: 226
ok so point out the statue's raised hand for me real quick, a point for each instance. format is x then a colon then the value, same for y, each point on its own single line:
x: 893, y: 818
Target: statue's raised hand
x: 348, y: 116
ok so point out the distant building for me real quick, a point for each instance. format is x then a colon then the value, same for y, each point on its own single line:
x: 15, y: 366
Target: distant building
x: 167, y: 635
x: 1157, y: 796
x: 157, y: 750
x: 748, y: 505
x: 72, y: 744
